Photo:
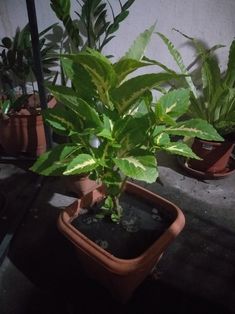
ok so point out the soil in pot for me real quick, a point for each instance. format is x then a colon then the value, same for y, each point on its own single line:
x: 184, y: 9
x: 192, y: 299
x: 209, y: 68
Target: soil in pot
x: 140, y: 226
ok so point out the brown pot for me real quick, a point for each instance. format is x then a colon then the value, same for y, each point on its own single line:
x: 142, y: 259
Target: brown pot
x: 80, y: 184
x: 120, y: 276
x: 24, y: 133
x: 215, y: 156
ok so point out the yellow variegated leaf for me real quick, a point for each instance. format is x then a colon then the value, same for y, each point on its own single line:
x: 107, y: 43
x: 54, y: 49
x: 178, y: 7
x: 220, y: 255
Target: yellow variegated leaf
x: 81, y: 164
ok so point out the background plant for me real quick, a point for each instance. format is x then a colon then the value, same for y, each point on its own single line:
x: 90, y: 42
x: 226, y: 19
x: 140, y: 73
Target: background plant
x: 213, y: 95
x: 17, y: 70
x: 93, y: 28
x: 120, y: 113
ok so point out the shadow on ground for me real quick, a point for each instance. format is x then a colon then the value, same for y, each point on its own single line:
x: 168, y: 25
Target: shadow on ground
x: 41, y: 274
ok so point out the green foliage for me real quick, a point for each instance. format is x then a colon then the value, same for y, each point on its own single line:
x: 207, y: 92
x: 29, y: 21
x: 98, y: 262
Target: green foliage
x: 122, y: 118
x: 92, y: 29
x: 17, y: 68
x: 213, y: 98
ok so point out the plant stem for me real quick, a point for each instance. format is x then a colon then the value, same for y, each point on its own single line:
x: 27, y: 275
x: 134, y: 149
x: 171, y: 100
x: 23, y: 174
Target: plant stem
x: 117, y: 206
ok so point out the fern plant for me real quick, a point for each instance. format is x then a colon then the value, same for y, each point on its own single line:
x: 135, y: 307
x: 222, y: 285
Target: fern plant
x: 213, y: 99
x: 129, y: 126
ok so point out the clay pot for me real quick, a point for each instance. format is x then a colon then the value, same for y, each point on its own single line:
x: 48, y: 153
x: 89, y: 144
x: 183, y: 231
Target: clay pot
x: 120, y: 276
x: 80, y: 184
x: 215, y: 155
x: 23, y: 132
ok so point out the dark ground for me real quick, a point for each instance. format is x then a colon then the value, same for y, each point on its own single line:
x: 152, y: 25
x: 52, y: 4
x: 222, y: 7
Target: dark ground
x: 40, y: 274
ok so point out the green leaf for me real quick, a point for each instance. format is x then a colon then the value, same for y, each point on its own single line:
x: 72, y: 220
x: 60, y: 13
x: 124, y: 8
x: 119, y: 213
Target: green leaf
x: 61, y: 120
x: 178, y: 148
x: 211, y: 77
x: 80, y: 79
x: 138, y: 166
x: 82, y: 163
x: 83, y: 111
x: 126, y: 66
x: 195, y: 128
x: 137, y: 49
x: 100, y: 69
x: 162, y: 139
x: 128, y: 133
x: 5, y: 106
x: 175, y: 103
x: 179, y: 61
x: 54, y: 161
x: 130, y: 91
x: 230, y: 73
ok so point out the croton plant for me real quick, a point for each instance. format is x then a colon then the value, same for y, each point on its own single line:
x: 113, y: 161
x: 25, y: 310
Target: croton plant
x: 114, y: 124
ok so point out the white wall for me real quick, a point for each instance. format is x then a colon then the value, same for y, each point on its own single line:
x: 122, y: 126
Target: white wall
x: 209, y: 20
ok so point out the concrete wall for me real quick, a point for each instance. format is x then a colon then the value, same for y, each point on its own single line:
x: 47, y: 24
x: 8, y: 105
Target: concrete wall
x: 210, y: 20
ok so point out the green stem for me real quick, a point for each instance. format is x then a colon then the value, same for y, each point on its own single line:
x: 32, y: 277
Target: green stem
x: 117, y: 206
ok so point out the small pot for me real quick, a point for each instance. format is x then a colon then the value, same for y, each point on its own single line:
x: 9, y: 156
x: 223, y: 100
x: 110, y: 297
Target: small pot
x: 24, y: 132
x: 120, y: 276
x: 80, y: 184
x: 215, y: 155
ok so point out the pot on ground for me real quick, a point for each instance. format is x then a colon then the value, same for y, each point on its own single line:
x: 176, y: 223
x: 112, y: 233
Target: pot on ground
x: 215, y: 156
x: 80, y: 184
x: 119, y: 275
x: 23, y: 132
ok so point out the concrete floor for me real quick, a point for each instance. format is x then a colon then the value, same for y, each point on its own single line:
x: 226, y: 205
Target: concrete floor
x: 40, y: 274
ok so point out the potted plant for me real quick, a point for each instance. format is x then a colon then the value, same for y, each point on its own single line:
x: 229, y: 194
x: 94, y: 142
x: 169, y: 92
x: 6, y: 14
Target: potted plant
x: 21, y: 124
x: 212, y: 98
x: 92, y: 29
x: 116, y: 129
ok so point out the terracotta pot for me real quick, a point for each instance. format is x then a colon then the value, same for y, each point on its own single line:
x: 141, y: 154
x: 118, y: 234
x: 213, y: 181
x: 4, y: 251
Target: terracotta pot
x: 24, y: 132
x: 80, y: 184
x: 215, y: 155
x: 120, y: 276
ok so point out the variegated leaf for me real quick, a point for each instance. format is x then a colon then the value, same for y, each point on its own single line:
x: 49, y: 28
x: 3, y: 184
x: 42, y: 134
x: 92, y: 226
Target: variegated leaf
x: 162, y: 139
x: 139, y: 167
x: 175, y: 103
x: 178, y: 148
x: 195, y: 128
x: 130, y: 91
x: 61, y: 120
x: 101, y: 71
x: 54, y: 162
x: 126, y: 66
x: 81, y: 164
x: 82, y: 110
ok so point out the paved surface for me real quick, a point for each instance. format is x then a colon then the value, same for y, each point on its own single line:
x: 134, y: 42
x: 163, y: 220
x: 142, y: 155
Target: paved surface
x: 40, y: 275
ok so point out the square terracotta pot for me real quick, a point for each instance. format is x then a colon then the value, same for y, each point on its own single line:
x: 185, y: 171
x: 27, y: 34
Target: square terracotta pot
x: 120, y: 276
